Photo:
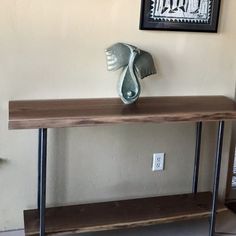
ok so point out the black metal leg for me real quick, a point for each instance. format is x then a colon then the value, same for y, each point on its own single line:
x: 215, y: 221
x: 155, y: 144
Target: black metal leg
x: 42, y: 151
x: 197, y: 157
x: 39, y: 161
x: 216, y: 177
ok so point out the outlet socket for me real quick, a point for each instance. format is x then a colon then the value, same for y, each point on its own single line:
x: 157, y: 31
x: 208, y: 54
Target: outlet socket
x: 158, y: 161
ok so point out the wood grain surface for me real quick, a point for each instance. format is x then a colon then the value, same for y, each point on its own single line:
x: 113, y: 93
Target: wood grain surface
x: 88, y: 112
x: 121, y: 214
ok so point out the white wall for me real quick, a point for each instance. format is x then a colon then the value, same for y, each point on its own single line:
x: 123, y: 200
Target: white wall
x: 55, y: 49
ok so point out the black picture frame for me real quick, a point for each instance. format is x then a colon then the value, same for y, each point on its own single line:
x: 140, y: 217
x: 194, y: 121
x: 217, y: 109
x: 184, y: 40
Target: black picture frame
x: 170, y: 15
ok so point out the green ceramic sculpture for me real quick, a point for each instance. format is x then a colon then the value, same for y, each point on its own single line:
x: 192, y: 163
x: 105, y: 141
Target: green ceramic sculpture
x: 136, y: 64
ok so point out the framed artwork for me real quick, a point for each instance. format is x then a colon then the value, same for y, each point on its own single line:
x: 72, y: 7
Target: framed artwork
x: 184, y: 15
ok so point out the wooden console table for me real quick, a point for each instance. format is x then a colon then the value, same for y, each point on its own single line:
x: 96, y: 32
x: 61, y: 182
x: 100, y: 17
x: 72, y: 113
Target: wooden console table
x: 44, y: 114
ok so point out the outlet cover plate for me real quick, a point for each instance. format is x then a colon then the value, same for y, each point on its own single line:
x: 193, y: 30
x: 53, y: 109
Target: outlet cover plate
x: 158, y: 161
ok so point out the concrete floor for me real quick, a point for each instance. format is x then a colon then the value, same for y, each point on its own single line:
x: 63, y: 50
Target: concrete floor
x: 226, y: 225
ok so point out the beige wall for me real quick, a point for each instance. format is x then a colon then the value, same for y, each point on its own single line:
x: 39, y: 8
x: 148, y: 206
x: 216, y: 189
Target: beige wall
x: 55, y: 49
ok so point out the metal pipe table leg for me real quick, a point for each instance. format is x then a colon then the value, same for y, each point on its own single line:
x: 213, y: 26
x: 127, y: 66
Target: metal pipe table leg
x: 42, y: 151
x: 197, y: 157
x: 39, y: 161
x: 218, y: 158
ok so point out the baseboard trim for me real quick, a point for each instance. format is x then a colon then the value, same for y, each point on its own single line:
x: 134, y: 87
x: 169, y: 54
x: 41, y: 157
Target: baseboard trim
x: 16, y: 232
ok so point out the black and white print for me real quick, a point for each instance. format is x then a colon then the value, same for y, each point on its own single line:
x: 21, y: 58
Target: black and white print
x: 195, y: 11
x: 180, y: 15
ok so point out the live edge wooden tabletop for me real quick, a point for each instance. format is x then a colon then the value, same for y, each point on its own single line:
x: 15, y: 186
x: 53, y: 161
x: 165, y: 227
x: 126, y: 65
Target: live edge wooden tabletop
x: 87, y: 112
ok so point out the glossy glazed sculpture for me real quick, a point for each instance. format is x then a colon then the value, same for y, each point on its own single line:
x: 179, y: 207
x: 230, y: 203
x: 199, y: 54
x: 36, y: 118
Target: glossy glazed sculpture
x: 136, y: 64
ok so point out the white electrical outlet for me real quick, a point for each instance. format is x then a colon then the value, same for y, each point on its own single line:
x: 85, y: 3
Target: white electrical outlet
x: 158, y: 161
